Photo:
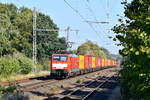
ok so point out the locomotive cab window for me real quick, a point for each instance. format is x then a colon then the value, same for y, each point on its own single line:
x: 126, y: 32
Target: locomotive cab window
x: 63, y: 58
x: 60, y: 58
x: 56, y: 58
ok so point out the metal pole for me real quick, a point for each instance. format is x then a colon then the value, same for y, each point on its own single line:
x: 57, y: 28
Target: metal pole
x: 67, y: 38
x: 34, y: 41
x: 69, y: 43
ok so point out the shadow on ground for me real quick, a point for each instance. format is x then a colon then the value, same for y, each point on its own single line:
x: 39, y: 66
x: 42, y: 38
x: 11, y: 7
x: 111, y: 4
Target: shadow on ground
x: 104, y: 93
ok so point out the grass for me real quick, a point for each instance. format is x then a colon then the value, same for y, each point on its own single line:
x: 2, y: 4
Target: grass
x: 56, y: 89
x: 79, y: 81
x: 20, y: 76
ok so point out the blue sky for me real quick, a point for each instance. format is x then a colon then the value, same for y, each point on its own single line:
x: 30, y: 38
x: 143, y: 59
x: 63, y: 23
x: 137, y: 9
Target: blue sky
x: 64, y: 16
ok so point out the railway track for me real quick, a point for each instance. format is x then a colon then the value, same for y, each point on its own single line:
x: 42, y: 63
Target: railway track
x: 47, y: 82
x: 71, y: 90
x: 33, y: 86
x: 30, y: 83
x: 6, y: 84
x: 87, y: 90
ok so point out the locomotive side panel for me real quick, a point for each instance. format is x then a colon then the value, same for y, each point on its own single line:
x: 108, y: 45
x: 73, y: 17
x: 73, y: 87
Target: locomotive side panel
x: 74, y: 64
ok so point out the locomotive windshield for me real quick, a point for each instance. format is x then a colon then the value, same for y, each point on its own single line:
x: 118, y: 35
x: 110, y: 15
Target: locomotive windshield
x: 60, y: 58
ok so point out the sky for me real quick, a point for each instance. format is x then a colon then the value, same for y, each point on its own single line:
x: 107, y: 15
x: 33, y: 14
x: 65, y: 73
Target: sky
x: 90, y: 10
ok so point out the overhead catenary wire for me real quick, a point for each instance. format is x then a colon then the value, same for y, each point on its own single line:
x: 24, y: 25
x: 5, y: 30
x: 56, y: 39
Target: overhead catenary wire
x: 94, y: 16
x: 90, y: 9
x: 82, y: 17
x: 107, y: 14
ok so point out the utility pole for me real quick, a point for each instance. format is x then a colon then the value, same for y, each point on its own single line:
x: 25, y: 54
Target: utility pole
x: 34, y: 41
x: 68, y: 30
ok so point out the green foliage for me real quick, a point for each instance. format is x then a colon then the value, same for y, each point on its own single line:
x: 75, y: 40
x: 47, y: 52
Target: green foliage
x: 11, y: 93
x: 16, y: 33
x: 18, y: 63
x: 46, y: 65
x: 89, y: 48
x: 9, y: 89
x: 134, y: 35
x: 24, y: 63
x: 16, y: 36
x: 48, y: 42
x: 74, y: 52
x: 8, y: 66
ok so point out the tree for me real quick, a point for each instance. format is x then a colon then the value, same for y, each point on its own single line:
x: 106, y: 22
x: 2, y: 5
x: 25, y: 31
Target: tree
x: 134, y: 35
x: 16, y: 33
x: 48, y: 42
x: 7, y: 31
x: 89, y: 48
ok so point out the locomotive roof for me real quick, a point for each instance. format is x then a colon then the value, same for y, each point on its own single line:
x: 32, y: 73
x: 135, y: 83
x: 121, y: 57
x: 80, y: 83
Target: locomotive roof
x: 72, y: 55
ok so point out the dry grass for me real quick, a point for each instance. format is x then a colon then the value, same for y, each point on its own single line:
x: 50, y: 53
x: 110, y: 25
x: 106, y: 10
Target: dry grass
x: 80, y: 81
x: 20, y: 77
x: 55, y: 90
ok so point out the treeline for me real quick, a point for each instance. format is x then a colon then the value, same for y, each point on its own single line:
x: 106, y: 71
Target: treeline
x: 16, y: 32
x: 134, y: 35
x: 16, y: 37
x: 91, y: 49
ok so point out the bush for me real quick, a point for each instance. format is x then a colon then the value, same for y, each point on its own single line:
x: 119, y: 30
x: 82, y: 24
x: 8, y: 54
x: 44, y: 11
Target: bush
x: 8, y: 66
x: 26, y: 65
x: 46, y: 66
x: 24, y: 62
x: 12, y: 93
x: 16, y: 63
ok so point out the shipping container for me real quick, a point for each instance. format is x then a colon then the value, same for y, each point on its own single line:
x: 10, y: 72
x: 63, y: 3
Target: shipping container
x: 81, y: 62
x: 93, y: 62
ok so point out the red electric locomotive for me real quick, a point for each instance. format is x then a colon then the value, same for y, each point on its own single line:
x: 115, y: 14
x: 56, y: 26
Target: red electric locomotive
x: 62, y: 65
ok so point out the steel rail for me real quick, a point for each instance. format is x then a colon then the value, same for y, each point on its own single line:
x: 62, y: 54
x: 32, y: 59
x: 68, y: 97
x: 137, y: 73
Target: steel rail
x: 33, y: 86
x: 43, y: 83
x: 89, y: 94
x: 94, y: 80
x: 37, y: 85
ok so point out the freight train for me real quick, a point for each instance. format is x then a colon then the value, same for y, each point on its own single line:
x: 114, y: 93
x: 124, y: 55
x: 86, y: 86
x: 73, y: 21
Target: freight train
x: 65, y: 65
